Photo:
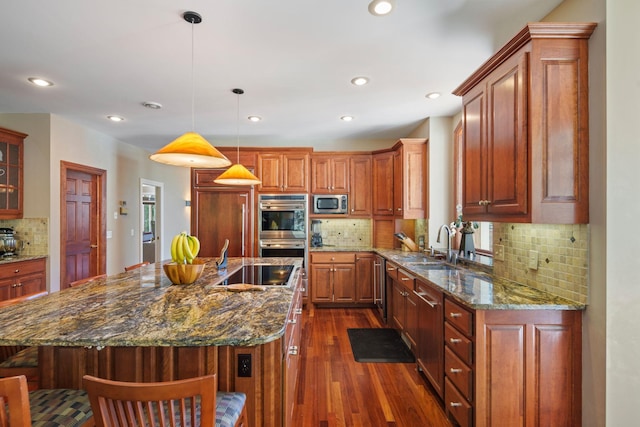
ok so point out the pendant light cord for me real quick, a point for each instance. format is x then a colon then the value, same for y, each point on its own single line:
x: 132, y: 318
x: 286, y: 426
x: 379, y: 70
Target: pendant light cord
x: 238, y: 128
x: 193, y: 84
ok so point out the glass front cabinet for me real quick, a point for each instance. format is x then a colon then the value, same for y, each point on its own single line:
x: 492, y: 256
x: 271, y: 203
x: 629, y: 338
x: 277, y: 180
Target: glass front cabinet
x: 11, y: 175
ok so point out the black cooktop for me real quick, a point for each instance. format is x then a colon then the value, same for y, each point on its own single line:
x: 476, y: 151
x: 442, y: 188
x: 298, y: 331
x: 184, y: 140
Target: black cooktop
x: 265, y: 275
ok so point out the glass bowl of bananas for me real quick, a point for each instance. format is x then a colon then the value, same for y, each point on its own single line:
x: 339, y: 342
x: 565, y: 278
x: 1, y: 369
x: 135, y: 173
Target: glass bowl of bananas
x: 184, y: 268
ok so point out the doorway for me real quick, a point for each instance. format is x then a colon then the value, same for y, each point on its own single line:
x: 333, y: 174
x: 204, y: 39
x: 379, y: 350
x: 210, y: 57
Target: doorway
x: 83, y: 247
x: 151, y: 193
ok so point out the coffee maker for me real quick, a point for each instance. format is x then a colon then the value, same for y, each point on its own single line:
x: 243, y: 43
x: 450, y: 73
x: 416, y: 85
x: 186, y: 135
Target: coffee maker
x: 316, y: 233
x: 9, y: 245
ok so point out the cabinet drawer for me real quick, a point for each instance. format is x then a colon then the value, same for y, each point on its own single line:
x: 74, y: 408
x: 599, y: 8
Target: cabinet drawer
x: 458, y: 316
x: 392, y: 270
x: 331, y: 257
x: 427, y: 293
x: 461, y: 345
x: 406, y: 279
x: 458, y: 373
x: 457, y: 405
x: 21, y: 268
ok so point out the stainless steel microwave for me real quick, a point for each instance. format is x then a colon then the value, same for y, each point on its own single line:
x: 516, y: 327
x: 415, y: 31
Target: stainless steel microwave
x: 330, y: 204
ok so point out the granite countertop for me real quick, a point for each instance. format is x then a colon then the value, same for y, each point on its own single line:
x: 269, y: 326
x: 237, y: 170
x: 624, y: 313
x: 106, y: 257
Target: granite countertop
x: 142, y: 308
x: 18, y: 258
x: 479, y: 290
x: 331, y: 248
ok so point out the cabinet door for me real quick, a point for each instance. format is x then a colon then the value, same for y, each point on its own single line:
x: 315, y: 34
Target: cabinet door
x: 340, y: 175
x: 295, y: 173
x: 430, y: 355
x: 411, y: 319
x: 382, y: 172
x: 270, y: 172
x: 7, y: 289
x: 414, y: 182
x: 507, y: 142
x: 398, y: 306
x: 360, y: 186
x: 320, y: 175
x: 11, y: 173
x: 28, y: 285
x: 473, y: 161
x: 364, y: 278
x: 321, y: 287
x: 344, y: 277
x: 398, y: 190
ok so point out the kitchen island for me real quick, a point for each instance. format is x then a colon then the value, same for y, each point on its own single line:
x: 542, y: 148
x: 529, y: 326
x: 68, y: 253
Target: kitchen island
x: 136, y: 326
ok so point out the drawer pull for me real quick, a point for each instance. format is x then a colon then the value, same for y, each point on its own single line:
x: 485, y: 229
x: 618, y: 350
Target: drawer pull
x: 17, y: 270
x: 391, y: 269
x: 405, y: 278
x: 292, y: 321
x: 298, y: 311
x: 455, y: 340
x: 454, y: 315
x: 455, y: 370
x: 293, y: 350
x: 455, y: 404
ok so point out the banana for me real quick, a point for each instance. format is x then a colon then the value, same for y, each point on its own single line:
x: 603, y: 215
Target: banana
x: 194, y: 245
x: 187, y: 249
x: 180, y: 249
x: 174, y: 247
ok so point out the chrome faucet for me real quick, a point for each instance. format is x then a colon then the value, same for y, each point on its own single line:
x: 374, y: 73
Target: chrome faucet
x: 449, y: 236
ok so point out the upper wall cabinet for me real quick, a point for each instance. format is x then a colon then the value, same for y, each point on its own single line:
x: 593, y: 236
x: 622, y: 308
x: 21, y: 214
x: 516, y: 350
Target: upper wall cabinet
x: 11, y: 171
x: 400, y: 180
x: 329, y: 174
x: 525, y: 151
x: 284, y: 172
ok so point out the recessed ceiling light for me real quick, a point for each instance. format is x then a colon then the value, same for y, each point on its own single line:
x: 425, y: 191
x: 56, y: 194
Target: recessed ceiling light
x: 152, y: 105
x: 254, y: 118
x: 346, y: 118
x: 115, y: 118
x: 360, y: 81
x: 40, y: 82
x: 381, y: 7
x: 433, y: 95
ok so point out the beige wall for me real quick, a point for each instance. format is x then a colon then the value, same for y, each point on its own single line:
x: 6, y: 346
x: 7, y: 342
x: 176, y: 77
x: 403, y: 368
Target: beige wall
x: 52, y: 139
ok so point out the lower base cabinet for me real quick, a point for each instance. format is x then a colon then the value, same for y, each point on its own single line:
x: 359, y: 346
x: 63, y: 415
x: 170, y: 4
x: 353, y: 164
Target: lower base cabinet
x: 430, y: 351
x: 291, y: 352
x: 22, y: 278
x: 512, y: 367
x: 341, y: 277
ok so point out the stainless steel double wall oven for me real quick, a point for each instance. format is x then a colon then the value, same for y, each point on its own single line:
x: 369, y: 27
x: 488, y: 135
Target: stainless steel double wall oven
x: 282, y: 225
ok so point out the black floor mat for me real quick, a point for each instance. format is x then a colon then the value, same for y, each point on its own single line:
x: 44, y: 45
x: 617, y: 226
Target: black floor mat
x: 379, y: 345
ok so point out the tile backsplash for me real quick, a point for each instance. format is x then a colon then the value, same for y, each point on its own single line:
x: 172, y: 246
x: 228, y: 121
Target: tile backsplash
x: 346, y: 232
x: 562, y: 252
x: 34, y: 232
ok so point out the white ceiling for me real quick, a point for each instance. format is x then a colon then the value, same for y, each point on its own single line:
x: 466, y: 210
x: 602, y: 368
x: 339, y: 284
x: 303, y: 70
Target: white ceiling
x: 293, y: 58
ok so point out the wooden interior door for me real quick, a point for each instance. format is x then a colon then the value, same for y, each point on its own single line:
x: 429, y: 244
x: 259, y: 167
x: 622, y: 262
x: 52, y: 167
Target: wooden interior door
x: 82, y: 223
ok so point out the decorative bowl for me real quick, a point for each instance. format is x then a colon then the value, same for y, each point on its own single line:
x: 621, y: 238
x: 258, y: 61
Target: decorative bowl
x: 184, y: 274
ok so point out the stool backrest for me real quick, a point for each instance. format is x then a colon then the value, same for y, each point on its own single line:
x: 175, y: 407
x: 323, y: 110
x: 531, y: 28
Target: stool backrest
x: 189, y: 402
x: 134, y: 266
x: 14, y: 402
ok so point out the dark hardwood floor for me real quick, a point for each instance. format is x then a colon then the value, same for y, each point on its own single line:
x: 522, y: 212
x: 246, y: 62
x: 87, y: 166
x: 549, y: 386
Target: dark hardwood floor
x: 335, y: 390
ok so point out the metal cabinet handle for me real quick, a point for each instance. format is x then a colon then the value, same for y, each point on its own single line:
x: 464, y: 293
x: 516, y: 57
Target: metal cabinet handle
x: 405, y: 278
x: 455, y: 404
x: 93, y: 246
x: 455, y: 340
x: 455, y: 315
x: 455, y: 370
x: 292, y: 321
x: 391, y: 269
x: 293, y: 350
x: 298, y: 311
x: 17, y: 270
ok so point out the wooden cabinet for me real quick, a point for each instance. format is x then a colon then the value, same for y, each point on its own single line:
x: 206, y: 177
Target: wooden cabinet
x: 404, y: 306
x: 364, y: 277
x: 525, y: 129
x: 221, y: 212
x: 330, y: 174
x: 400, y: 180
x: 11, y: 173
x: 22, y: 278
x: 360, y: 186
x: 333, y: 277
x: 382, y: 173
x: 430, y: 351
x: 291, y: 352
x: 512, y: 367
x: 283, y: 172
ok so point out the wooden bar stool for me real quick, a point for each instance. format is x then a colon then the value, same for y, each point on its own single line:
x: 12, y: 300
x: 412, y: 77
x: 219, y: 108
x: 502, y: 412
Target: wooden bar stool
x: 79, y: 282
x: 42, y: 408
x: 190, y: 402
